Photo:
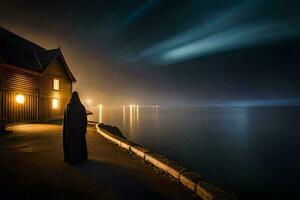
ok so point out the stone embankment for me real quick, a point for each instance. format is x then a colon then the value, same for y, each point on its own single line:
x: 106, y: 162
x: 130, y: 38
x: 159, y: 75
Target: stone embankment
x: 189, y: 179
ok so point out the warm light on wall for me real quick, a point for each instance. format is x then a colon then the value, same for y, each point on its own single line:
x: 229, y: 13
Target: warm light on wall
x: 20, y: 98
x: 54, y: 103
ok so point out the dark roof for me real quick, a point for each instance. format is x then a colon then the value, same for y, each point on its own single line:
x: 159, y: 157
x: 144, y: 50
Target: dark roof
x: 20, y: 52
x: 45, y: 57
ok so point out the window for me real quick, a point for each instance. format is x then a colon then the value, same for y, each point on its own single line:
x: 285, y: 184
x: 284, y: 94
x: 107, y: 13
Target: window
x: 55, y: 84
x: 54, y: 103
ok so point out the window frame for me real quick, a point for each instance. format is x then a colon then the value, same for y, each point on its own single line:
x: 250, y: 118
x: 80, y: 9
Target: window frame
x: 53, y: 84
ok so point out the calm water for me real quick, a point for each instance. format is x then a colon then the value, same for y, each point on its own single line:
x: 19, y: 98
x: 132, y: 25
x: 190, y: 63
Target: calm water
x: 253, y: 152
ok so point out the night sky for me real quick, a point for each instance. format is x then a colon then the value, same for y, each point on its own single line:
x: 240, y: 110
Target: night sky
x: 217, y: 52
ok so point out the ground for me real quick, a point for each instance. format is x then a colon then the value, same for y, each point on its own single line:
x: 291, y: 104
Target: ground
x: 32, y: 167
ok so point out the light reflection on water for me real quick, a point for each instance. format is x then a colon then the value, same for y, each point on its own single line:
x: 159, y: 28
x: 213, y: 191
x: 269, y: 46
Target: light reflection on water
x: 242, y: 149
x: 100, y: 113
x: 124, y: 115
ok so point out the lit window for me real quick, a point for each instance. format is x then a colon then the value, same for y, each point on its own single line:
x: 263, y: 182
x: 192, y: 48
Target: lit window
x: 55, y: 84
x: 54, y: 103
x: 20, y: 98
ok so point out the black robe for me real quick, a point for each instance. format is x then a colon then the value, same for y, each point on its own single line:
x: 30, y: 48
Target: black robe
x: 74, y: 131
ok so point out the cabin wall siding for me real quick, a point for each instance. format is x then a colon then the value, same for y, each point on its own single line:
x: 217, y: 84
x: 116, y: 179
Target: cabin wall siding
x: 12, y: 83
x: 17, y: 80
x: 13, y: 112
x: 38, y: 92
x: 46, y: 92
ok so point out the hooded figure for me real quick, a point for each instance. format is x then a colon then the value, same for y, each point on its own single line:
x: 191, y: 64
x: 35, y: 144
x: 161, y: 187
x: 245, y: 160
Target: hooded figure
x: 75, y: 123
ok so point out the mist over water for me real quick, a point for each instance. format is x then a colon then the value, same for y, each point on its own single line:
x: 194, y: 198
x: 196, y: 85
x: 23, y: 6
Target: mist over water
x: 239, y: 59
x: 251, y: 151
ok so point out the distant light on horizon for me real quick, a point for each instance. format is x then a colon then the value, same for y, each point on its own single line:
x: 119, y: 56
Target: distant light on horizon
x: 89, y: 101
x: 124, y: 115
x: 100, y: 113
x: 137, y: 113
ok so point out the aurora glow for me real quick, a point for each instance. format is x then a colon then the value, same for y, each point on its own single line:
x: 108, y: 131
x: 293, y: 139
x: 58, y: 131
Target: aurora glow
x: 238, y: 37
x: 170, y: 52
x: 233, y: 28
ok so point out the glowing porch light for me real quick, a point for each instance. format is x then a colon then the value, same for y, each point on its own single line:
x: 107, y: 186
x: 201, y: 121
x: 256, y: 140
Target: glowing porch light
x: 20, y: 98
x: 54, y: 103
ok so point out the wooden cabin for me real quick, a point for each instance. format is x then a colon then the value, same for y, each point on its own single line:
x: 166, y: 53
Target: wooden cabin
x: 35, y: 83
